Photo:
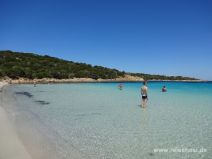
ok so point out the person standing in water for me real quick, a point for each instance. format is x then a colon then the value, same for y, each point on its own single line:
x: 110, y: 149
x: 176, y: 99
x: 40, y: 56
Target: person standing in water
x: 164, y: 89
x: 120, y: 86
x: 34, y: 83
x: 144, y: 90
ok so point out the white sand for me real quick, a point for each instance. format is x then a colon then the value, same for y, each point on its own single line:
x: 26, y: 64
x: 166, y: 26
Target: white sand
x: 11, y: 146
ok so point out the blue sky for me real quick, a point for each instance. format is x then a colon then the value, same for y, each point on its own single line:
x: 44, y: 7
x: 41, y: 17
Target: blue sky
x: 171, y: 37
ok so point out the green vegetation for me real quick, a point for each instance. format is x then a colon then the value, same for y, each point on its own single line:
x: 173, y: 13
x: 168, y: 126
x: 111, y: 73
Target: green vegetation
x: 29, y: 65
x: 161, y: 77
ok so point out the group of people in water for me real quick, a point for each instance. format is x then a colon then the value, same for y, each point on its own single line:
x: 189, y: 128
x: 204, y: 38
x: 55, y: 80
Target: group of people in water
x: 144, y: 90
x: 144, y: 94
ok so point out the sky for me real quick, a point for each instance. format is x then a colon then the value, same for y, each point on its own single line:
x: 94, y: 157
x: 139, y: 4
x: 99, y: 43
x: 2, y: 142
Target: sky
x: 168, y: 37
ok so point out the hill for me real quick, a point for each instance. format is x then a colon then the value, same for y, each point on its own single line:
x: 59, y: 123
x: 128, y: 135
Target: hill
x: 32, y: 66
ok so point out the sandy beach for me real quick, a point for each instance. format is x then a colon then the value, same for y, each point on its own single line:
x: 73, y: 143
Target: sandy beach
x: 126, y: 78
x: 11, y: 146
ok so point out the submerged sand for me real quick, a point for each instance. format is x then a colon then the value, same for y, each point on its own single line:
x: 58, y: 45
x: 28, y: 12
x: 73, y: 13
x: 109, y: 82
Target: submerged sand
x: 11, y: 146
x: 22, y: 139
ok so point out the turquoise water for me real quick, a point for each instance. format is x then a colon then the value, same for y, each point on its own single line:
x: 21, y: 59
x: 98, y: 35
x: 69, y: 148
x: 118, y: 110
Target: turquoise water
x: 99, y: 121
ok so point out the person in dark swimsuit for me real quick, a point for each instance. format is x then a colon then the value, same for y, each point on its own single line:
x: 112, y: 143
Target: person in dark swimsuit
x: 144, y: 90
x: 144, y: 97
x: 164, y: 89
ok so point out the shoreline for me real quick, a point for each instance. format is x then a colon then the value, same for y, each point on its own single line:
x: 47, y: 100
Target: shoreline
x: 11, y: 146
x: 87, y: 80
x: 19, y: 139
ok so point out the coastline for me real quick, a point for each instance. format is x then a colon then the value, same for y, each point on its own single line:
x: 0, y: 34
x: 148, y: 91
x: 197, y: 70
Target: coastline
x: 127, y: 78
x: 20, y: 140
x: 179, y: 81
x: 11, y: 146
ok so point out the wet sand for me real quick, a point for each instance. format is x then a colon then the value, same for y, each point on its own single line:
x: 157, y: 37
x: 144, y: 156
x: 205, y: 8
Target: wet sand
x: 11, y: 147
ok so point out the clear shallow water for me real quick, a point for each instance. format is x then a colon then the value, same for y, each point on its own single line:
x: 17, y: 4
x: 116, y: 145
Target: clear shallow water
x: 96, y: 120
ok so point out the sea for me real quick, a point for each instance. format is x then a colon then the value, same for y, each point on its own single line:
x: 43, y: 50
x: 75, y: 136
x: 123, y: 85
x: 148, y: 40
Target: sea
x: 100, y: 121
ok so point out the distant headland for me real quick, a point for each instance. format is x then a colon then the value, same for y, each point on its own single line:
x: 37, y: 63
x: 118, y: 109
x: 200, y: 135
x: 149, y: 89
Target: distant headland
x: 18, y: 67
